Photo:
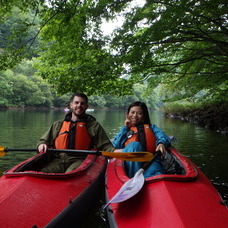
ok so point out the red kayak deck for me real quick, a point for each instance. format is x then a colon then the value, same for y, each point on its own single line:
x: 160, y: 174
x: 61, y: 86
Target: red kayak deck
x: 33, y: 198
x: 166, y: 201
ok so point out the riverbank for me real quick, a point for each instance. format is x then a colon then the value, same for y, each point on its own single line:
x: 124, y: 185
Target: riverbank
x: 213, y: 117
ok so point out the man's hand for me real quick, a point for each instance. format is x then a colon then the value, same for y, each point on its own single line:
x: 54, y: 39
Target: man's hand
x: 42, y: 148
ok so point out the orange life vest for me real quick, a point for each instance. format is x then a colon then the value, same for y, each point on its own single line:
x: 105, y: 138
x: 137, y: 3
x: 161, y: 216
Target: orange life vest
x: 82, y: 137
x: 150, y: 138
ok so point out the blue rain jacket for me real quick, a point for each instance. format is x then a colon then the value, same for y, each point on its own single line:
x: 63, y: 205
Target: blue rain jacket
x: 156, y: 167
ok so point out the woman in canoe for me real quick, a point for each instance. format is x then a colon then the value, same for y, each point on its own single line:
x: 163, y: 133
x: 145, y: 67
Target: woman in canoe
x: 138, y: 134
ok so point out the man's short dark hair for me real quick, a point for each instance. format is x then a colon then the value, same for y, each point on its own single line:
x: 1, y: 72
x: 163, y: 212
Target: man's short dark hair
x: 79, y: 94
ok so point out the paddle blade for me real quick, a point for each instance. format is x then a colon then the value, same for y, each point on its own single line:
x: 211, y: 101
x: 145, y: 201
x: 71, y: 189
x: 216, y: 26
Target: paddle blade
x: 134, y: 156
x: 2, y: 148
x: 129, y: 189
x: 2, y: 151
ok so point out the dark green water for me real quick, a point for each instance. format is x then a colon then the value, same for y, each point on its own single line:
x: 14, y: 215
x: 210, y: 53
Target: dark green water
x: 208, y: 149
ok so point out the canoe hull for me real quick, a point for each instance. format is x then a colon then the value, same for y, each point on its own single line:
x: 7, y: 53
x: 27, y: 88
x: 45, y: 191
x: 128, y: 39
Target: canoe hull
x: 37, y: 199
x: 187, y: 200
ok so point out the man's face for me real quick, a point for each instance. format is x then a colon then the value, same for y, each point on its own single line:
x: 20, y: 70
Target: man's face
x: 78, y: 106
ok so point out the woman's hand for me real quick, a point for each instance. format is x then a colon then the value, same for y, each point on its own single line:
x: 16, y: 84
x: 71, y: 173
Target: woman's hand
x: 161, y: 147
x: 42, y: 148
x: 127, y: 122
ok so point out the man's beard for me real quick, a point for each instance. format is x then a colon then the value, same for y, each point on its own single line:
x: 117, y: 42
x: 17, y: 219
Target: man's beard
x: 79, y: 115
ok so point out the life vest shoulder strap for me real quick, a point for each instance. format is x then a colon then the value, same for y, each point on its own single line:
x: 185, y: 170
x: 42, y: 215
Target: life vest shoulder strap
x: 150, y: 138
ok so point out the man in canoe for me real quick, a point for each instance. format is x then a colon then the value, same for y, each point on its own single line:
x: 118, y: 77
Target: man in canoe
x: 138, y: 134
x: 78, y: 131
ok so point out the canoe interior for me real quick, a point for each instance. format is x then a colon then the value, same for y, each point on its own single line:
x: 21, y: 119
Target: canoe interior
x: 176, y: 166
x: 33, y: 165
x: 172, y: 165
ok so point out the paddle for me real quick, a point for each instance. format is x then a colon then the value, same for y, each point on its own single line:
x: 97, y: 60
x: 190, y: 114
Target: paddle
x: 134, y: 156
x: 132, y: 186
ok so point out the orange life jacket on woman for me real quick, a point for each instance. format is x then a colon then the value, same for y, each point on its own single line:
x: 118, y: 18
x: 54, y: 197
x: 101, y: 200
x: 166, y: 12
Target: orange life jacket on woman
x: 146, y: 138
x: 82, y: 138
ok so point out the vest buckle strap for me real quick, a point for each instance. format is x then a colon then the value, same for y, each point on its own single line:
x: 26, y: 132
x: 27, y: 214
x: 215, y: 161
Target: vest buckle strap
x: 130, y: 134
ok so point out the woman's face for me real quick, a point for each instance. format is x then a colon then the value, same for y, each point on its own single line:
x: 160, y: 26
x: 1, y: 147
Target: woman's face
x: 135, y: 115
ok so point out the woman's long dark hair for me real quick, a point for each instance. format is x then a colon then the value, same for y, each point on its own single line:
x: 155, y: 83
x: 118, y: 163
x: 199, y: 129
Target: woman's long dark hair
x: 144, y: 108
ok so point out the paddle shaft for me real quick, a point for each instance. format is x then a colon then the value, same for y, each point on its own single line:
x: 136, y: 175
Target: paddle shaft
x: 132, y: 156
x: 59, y: 150
x: 147, y: 164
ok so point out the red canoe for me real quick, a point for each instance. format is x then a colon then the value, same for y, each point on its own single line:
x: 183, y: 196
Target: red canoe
x: 186, y: 199
x: 35, y: 199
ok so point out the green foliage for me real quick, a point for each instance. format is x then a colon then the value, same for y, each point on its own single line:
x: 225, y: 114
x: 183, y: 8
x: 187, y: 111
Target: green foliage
x: 5, y: 91
x: 79, y: 71
x: 74, y: 57
x: 111, y: 101
x: 181, y: 107
x: 179, y: 47
x: 21, y: 88
x: 97, y: 101
x: 25, y: 67
x: 182, y: 45
x: 212, y: 115
x: 18, y: 32
x: 60, y: 101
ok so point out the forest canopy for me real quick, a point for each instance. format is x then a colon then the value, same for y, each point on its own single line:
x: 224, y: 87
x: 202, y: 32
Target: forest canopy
x: 179, y: 47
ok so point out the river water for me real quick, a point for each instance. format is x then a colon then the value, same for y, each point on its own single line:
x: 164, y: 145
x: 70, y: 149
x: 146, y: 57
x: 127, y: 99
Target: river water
x: 206, y: 148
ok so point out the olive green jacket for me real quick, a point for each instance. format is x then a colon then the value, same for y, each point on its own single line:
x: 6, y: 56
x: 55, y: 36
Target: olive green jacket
x: 95, y: 130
